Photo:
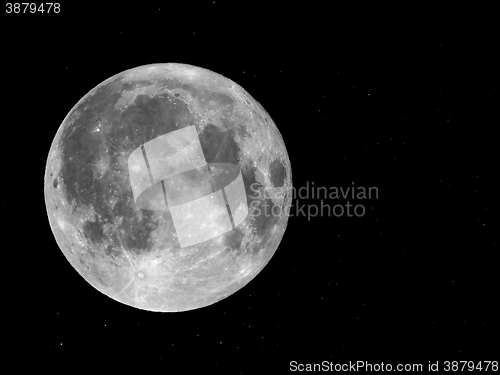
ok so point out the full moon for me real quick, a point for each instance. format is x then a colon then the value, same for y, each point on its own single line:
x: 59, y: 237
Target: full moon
x: 167, y: 187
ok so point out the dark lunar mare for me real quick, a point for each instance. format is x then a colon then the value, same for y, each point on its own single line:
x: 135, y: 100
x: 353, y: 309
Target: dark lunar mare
x: 277, y: 173
x: 121, y: 133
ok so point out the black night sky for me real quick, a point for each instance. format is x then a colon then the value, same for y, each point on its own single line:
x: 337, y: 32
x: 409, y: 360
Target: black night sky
x: 413, y: 113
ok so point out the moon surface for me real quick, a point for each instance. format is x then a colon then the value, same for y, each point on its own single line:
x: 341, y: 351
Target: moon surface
x: 167, y: 187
